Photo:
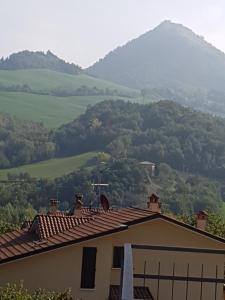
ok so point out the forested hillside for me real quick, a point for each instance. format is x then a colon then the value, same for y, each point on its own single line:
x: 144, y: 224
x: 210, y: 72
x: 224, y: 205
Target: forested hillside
x: 160, y: 132
x: 166, y: 132
x: 37, y: 60
x: 186, y: 146
x: 22, y: 142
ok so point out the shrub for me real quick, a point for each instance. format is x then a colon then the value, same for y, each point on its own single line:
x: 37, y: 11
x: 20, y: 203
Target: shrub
x: 18, y: 292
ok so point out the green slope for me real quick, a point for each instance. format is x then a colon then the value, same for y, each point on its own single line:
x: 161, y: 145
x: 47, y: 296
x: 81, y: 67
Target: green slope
x: 52, y: 111
x: 52, y: 168
x: 46, y: 80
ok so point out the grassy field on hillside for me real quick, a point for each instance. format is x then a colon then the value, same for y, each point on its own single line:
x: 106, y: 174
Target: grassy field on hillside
x: 47, y: 80
x: 51, y: 168
x: 50, y: 110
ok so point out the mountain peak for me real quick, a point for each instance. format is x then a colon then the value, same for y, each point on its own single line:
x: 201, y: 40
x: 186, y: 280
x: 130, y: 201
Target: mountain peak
x: 169, y: 56
x: 168, y: 26
x: 165, y: 24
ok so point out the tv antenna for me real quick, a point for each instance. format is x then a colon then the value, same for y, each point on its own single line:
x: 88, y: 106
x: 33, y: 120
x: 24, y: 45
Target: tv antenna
x: 98, y: 187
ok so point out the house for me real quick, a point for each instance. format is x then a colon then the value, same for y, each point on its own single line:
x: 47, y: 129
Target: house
x: 84, y: 250
x: 151, y: 167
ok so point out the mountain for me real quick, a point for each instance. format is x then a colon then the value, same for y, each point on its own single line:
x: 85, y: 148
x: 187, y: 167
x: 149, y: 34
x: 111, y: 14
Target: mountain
x: 170, y: 55
x: 37, y: 60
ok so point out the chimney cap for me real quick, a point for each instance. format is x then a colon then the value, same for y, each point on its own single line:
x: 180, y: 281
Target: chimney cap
x: 154, y: 203
x: 153, y: 198
x: 201, y: 220
x: 53, y: 206
x: 78, y: 196
x: 53, y: 201
x: 78, y: 200
x: 202, y: 213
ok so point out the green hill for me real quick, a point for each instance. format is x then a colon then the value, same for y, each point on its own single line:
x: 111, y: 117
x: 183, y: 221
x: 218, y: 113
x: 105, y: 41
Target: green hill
x: 52, y: 111
x: 52, y: 97
x: 165, y: 132
x: 51, y: 168
x: 46, y: 80
x: 38, y: 60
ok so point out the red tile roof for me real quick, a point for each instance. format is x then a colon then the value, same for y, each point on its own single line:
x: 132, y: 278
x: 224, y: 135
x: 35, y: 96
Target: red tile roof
x: 48, y: 232
x: 45, y: 226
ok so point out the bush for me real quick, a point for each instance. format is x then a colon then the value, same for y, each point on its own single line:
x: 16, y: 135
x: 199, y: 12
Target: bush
x: 18, y: 292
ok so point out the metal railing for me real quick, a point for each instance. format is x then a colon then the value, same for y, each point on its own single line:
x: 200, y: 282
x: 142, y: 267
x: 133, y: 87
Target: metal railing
x: 127, y: 275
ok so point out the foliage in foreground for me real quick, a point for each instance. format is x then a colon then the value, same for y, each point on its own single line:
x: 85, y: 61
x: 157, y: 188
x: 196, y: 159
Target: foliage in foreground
x: 18, y: 292
x: 215, y: 224
x: 5, y: 226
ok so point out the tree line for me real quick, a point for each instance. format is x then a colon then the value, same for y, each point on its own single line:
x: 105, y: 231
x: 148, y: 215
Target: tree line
x: 66, y: 92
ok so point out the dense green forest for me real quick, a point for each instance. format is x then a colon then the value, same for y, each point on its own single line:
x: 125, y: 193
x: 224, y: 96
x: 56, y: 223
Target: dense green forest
x: 37, y: 60
x: 22, y: 142
x: 188, y: 141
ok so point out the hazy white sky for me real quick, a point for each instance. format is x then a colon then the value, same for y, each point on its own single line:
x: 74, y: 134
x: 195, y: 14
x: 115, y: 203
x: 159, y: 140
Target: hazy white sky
x: 82, y: 31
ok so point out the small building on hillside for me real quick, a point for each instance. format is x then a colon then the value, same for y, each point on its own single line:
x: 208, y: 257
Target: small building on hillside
x: 151, y: 167
x: 84, y: 250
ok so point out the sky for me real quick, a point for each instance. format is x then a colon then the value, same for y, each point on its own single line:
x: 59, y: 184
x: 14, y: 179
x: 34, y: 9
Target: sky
x: 83, y: 31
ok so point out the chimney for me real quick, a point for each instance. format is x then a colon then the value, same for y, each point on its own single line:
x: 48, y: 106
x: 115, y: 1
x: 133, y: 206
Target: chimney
x: 77, y: 211
x: 201, y: 221
x: 53, y: 207
x: 154, y: 204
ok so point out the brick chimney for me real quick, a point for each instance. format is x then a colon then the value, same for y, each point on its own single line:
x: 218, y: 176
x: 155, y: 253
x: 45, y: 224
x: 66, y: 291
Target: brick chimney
x: 77, y: 211
x: 53, y: 207
x: 201, y: 220
x: 154, y: 204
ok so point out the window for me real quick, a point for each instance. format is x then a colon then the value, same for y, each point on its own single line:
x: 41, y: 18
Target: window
x: 88, y: 268
x: 118, y: 257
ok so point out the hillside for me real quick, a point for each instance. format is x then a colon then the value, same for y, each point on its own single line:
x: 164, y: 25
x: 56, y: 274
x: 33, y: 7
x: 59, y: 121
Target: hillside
x: 46, y: 81
x: 37, y: 60
x: 51, y: 168
x: 168, y: 55
x: 52, y: 111
x: 23, y: 142
x: 52, y: 97
x: 172, y: 62
x: 186, y: 146
x: 160, y: 132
